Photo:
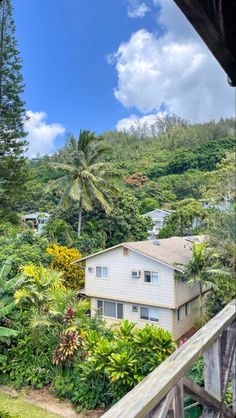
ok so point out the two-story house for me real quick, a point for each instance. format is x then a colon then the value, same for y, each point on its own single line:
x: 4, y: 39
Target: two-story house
x: 138, y: 281
x: 158, y: 219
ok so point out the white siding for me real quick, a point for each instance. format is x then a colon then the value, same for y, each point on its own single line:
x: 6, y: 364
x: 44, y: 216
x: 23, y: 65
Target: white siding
x: 185, y: 324
x: 165, y: 315
x: 121, y: 286
x: 184, y: 292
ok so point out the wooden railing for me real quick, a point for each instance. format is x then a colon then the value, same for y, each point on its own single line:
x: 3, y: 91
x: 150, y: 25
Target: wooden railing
x: 161, y: 393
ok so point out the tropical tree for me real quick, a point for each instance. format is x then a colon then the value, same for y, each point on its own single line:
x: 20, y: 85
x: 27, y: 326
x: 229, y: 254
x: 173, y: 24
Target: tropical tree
x: 203, y: 270
x: 13, y: 168
x: 85, y: 178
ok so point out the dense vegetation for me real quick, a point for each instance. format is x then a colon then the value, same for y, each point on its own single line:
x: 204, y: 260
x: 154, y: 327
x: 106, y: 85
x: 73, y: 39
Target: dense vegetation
x: 96, y: 190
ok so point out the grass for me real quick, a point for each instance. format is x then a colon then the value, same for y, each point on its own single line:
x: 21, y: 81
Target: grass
x: 21, y: 408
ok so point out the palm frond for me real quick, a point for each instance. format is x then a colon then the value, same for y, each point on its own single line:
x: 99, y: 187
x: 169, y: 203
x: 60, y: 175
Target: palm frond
x: 22, y: 294
x: 65, y: 167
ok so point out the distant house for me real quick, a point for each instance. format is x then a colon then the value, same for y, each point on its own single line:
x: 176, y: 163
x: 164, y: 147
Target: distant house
x: 38, y: 219
x: 138, y: 281
x: 158, y: 219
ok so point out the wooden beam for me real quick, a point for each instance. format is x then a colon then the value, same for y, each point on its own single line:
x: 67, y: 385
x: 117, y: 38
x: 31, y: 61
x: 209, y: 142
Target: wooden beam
x: 150, y: 392
x: 203, y: 397
x: 200, y: 395
x: 201, y: 22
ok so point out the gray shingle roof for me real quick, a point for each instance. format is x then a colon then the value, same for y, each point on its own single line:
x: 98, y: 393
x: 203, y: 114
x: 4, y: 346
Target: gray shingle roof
x: 175, y: 251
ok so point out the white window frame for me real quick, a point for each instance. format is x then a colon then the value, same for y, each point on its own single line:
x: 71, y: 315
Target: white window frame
x: 102, y: 277
x: 149, y: 316
x: 151, y: 271
x: 187, y: 308
x: 111, y: 301
x: 182, y: 307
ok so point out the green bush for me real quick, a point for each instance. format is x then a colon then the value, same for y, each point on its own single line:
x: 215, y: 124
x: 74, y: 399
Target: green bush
x: 5, y: 414
x: 29, y: 363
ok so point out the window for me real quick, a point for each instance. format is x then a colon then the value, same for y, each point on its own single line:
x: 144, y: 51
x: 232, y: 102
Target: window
x: 90, y: 270
x: 151, y: 277
x: 149, y: 314
x: 180, y: 313
x: 187, y: 309
x: 110, y: 309
x: 184, y: 310
x: 158, y: 223
x: 102, y: 272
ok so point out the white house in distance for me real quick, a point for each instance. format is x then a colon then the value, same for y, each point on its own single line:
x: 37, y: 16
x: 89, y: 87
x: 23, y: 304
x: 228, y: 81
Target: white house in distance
x: 38, y: 219
x: 137, y: 281
x: 158, y: 219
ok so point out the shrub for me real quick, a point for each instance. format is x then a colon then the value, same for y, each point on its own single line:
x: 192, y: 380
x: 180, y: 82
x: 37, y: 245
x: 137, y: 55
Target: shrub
x: 5, y: 414
x: 30, y: 361
x: 73, y: 274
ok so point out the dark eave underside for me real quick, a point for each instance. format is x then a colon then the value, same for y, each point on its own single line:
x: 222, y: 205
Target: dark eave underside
x: 215, y: 21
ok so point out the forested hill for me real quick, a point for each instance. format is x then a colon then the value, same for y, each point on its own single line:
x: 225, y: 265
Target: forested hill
x: 173, y: 165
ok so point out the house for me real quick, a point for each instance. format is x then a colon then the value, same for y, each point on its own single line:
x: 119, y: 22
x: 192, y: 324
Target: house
x: 38, y: 220
x: 138, y: 281
x: 158, y: 219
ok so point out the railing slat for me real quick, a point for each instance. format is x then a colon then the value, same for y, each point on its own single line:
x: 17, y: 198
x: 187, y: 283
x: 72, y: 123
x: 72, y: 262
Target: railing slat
x: 149, y: 393
x: 178, y: 402
x: 161, y: 410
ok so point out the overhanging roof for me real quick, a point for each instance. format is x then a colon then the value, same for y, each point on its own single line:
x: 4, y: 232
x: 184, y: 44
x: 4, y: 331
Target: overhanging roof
x: 215, y: 22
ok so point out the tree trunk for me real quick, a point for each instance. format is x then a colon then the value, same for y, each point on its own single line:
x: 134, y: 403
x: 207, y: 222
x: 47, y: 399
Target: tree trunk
x: 79, y: 220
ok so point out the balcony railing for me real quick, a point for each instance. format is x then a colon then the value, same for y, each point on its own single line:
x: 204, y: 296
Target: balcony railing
x: 161, y: 393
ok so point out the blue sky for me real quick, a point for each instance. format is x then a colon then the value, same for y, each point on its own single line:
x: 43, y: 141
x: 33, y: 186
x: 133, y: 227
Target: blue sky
x: 101, y: 64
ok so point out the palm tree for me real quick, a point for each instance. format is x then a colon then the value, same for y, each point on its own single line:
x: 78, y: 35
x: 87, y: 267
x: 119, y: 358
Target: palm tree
x: 203, y: 269
x: 85, y: 178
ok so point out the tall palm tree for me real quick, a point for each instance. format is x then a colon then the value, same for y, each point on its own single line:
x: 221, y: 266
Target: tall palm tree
x: 85, y: 178
x: 203, y: 269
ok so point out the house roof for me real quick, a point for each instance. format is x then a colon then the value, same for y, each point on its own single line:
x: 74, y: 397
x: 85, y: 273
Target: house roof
x: 168, y: 212
x: 35, y: 215
x: 215, y: 23
x: 175, y: 252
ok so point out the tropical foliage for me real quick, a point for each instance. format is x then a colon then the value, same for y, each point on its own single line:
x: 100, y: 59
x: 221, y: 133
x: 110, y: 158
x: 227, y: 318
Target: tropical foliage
x: 63, y: 257
x: 85, y: 178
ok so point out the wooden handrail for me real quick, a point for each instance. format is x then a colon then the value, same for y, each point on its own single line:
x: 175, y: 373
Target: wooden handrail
x: 141, y: 400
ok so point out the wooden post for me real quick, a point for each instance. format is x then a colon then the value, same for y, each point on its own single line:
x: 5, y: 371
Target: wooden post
x: 178, y: 401
x: 234, y: 381
x: 213, y: 376
x: 213, y: 369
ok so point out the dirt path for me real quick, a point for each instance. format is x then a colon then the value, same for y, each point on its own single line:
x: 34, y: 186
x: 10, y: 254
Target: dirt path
x: 47, y: 401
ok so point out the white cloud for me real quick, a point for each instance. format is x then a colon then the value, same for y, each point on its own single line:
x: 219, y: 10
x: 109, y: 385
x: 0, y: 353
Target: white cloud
x: 175, y: 69
x: 133, y: 121
x: 41, y: 136
x: 137, y: 9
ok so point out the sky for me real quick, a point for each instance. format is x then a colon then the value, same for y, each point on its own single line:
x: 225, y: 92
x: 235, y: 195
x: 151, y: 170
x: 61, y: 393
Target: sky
x: 103, y: 64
